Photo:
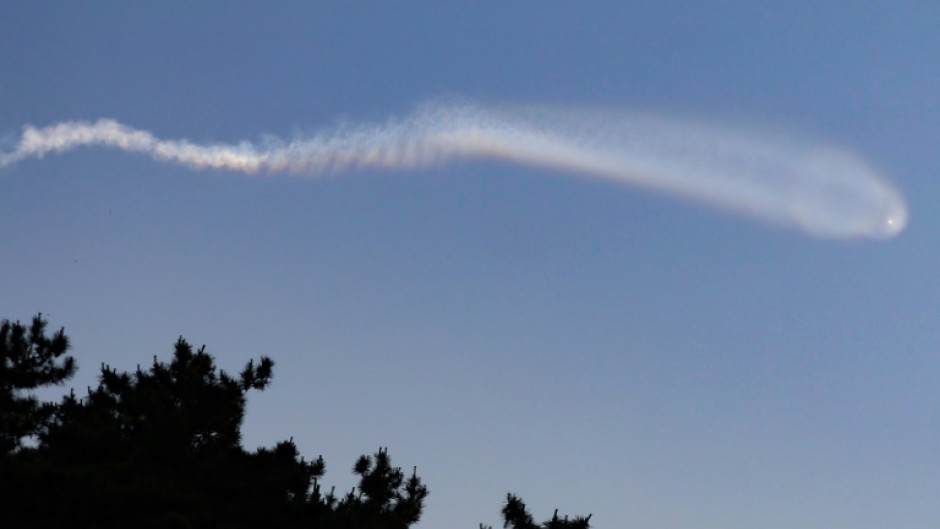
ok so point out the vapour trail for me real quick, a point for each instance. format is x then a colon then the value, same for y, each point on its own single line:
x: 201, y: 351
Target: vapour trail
x: 825, y: 191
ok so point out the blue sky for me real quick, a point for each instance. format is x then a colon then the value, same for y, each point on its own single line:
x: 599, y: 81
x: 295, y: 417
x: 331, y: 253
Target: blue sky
x: 591, y: 347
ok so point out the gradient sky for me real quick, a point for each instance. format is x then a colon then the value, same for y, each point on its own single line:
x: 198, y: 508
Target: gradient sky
x: 591, y: 347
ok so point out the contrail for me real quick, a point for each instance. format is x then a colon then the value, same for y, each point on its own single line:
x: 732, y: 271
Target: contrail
x: 824, y: 191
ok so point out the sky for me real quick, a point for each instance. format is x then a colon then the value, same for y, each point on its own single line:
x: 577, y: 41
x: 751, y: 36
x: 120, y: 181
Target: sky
x: 591, y: 347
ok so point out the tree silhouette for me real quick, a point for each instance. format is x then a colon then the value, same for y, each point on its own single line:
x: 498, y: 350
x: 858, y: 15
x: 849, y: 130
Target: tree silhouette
x: 161, y: 447
x: 516, y: 516
x: 28, y: 360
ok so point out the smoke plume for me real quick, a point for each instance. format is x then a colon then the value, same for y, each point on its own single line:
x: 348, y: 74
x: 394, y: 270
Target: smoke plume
x: 824, y: 191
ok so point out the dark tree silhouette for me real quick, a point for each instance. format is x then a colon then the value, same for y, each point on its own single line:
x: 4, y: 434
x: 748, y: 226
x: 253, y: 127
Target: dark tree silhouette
x: 161, y: 448
x: 516, y: 516
x: 28, y: 360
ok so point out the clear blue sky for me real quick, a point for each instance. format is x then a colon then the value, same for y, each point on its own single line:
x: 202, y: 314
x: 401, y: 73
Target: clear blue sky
x: 591, y: 347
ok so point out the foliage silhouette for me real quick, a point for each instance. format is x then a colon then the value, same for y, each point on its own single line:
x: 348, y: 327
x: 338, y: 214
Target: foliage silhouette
x: 161, y: 447
x: 28, y: 360
x: 516, y: 516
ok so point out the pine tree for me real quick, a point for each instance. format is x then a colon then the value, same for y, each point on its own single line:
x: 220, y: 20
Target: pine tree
x: 161, y: 447
x: 516, y: 516
x: 28, y: 360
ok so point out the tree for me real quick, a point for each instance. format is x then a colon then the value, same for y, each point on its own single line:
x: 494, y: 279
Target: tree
x: 516, y: 516
x: 28, y: 360
x: 161, y: 447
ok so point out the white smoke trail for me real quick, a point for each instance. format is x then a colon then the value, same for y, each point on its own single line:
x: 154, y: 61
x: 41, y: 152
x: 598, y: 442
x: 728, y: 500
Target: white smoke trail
x: 826, y: 192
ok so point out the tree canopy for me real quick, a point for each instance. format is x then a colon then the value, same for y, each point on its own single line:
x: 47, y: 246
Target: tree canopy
x: 516, y: 516
x: 161, y: 447
x: 28, y: 360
